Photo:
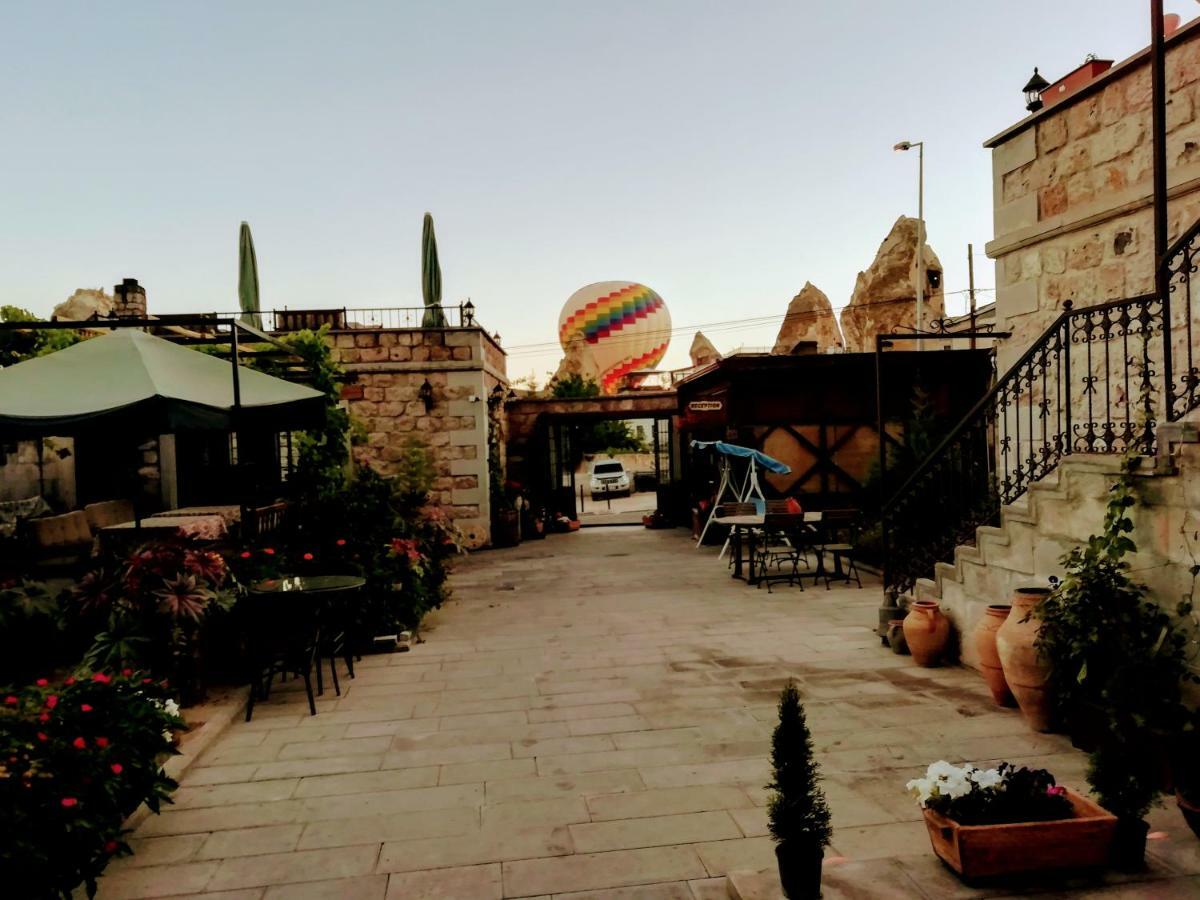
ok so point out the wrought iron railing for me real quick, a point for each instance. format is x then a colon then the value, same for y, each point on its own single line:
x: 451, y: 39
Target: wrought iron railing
x: 1183, y: 368
x: 345, y: 319
x: 1089, y: 384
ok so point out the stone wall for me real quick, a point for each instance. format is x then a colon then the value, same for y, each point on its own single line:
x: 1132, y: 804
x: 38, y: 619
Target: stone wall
x: 1072, y: 193
x: 462, y: 366
x: 19, y: 475
x: 1060, y: 513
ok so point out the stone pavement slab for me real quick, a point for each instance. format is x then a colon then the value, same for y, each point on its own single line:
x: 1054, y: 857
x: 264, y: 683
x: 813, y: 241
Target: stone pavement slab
x: 601, y: 730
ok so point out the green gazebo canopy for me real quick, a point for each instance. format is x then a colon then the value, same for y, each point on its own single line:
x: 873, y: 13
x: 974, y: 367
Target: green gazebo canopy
x: 132, y: 380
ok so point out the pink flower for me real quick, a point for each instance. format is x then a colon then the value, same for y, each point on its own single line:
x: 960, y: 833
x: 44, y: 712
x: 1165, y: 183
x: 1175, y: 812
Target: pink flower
x: 101, y: 678
x: 70, y: 679
x: 52, y: 701
x: 270, y: 551
x: 44, y: 717
x: 245, y: 554
x: 110, y: 847
x: 308, y: 557
x: 41, y: 682
x: 42, y: 736
x: 341, y: 542
x: 79, y: 743
x: 101, y: 742
x: 85, y: 707
x: 1056, y: 791
x: 10, y: 700
x: 68, y: 802
x: 117, y: 768
x: 126, y: 672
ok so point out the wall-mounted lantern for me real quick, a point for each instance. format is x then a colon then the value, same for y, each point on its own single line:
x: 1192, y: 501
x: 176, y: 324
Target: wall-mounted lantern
x: 425, y: 395
x: 1033, y: 91
x: 468, y: 314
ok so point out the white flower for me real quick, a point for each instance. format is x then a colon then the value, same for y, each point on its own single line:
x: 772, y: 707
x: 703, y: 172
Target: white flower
x: 941, y: 769
x: 987, y: 778
x: 168, y: 735
x: 171, y: 707
x: 921, y: 788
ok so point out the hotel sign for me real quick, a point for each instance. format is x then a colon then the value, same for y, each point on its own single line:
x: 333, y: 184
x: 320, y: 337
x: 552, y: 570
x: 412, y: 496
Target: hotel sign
x: 708, y: 406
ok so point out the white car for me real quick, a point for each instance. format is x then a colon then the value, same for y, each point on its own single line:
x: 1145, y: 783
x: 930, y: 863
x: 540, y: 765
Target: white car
x: 608, y: 478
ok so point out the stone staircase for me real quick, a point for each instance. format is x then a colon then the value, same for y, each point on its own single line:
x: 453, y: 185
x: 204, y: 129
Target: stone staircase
x: 1059, y: 513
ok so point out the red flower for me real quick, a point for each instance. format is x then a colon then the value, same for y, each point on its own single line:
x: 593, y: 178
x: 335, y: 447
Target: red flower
x: 147, y: 680
x: 44, y: 717
x: 308, y: 557
x: 10, y: 700
x: 85, y: 707
x: 41, y: 682
x: 1056, y: 790
x: 111, y: 847
x: 341, y: 542
x: 126, y: 672
x: 79, y: 743
x: 101, y: 742
x: 42, y: 736
x: 101, y: 678
x: 117, y: 768
x: 68, y: 802
x: 52, y: 701
x: 70, y: 679
x: 270, y: 551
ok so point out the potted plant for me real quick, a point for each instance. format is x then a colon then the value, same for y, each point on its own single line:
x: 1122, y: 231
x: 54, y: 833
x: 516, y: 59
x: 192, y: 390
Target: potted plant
x: 797, y: 814
x: 1185, y: 771
x: 1003, y: 821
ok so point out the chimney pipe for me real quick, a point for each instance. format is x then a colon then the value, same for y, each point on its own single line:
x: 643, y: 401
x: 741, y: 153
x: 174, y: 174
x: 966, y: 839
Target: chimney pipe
x: 129, y: 300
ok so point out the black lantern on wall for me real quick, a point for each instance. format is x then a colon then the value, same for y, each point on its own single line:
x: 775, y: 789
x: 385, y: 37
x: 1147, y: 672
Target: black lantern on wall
x: 1033, y: 91
x: 468, y: 314
x: 425, y: 395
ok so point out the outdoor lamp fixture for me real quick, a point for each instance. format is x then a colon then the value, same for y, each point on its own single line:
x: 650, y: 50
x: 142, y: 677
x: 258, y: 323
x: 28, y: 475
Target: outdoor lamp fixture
x: 920, y: 272
x: 425, y: 395
x: 1033, y: 91
x: 496, y: 397
x: 468, y: 314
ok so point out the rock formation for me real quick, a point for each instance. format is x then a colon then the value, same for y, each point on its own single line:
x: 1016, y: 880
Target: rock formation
x: 809, y: 319
x: 884, y: 296
x: 82, y: 304
x: 578, y: 361
x: 702, y: 352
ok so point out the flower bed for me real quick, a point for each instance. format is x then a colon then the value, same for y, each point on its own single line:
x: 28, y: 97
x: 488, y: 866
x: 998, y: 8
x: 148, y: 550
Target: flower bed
x: 75, y: 760
x: 1006, y: 820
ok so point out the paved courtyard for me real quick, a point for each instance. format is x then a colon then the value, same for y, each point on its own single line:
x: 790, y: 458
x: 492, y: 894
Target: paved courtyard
x: 590, y: 717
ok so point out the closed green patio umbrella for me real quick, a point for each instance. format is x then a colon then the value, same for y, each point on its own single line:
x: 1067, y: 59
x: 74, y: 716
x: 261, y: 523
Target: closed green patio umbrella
x: 248, y: 298
x: 431, y: 278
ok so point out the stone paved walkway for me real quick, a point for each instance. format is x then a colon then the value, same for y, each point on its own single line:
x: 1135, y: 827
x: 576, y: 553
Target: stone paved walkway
x: 590, y: 717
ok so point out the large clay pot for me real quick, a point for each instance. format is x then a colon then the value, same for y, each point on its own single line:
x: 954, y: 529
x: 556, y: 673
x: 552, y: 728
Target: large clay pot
x: 989, y: 659
x: 1024, y: 669
x: 926, y: 631
x: 895, y: 637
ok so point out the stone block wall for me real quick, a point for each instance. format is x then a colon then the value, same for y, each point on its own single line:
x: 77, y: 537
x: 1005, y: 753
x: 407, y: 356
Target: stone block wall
x: 462, y: 366
x: 1059, y: 514
x: 1072, y: 193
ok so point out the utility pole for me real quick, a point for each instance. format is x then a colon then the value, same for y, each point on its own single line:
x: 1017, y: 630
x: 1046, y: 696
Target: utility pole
x: 1162, y: 279
x: 971, y: 288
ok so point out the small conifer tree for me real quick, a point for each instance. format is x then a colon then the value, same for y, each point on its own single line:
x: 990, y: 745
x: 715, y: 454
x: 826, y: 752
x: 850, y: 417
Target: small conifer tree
x: 797, y: 811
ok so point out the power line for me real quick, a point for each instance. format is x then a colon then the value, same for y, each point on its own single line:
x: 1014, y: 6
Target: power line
x: 711, y: 327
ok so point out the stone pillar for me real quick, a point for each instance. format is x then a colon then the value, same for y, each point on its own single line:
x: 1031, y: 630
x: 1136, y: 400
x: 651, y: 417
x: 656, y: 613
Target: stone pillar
x: 129, y: 300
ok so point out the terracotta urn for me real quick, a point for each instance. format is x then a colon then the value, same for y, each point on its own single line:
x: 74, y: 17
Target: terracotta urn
x: 895, y: 637
x: 926, y: 631
x: 989, y: 659
x: 1024, y: 669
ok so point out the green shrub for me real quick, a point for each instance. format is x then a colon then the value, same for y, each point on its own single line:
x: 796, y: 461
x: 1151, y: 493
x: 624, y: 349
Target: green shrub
x: 797, y: 810
x: 75, y: 760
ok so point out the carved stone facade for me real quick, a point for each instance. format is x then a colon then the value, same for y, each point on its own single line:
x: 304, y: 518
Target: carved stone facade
x: 1072, y: 193
x: 462, y: 366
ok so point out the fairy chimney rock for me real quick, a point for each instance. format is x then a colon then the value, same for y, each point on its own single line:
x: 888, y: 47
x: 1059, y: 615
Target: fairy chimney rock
x: 884, y: 298
x: 83, y: 304
x: 578, y: 360
x: 809, y: 322
x: 702, y: 351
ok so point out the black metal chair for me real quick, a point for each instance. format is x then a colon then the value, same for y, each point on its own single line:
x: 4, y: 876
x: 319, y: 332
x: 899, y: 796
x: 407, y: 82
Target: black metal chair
x: 784, y: 543
x: 283, y: 637
x: 337, y: 634
x: 840, y: 529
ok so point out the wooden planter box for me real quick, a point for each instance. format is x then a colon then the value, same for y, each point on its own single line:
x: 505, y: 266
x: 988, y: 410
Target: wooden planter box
x: 982, y: 851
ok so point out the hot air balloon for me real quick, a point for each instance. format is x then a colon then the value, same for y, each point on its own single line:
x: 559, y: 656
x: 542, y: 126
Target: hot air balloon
x: 625, y: 325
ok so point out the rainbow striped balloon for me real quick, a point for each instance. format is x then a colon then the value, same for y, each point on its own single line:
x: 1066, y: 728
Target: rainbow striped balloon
x: 626, y: 326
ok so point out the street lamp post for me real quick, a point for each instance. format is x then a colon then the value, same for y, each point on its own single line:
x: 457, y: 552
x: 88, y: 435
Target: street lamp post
x: 920, y: 278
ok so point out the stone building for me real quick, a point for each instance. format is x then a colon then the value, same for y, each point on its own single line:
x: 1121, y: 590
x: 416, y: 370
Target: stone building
x: 1072, y: 191
x: 462, y: 367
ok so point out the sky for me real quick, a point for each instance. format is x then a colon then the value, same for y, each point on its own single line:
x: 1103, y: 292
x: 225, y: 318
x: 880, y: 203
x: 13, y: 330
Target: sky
x: 721, y: 153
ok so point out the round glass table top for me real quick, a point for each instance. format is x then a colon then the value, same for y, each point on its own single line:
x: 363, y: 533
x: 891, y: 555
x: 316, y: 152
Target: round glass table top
x: 308, y: 584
